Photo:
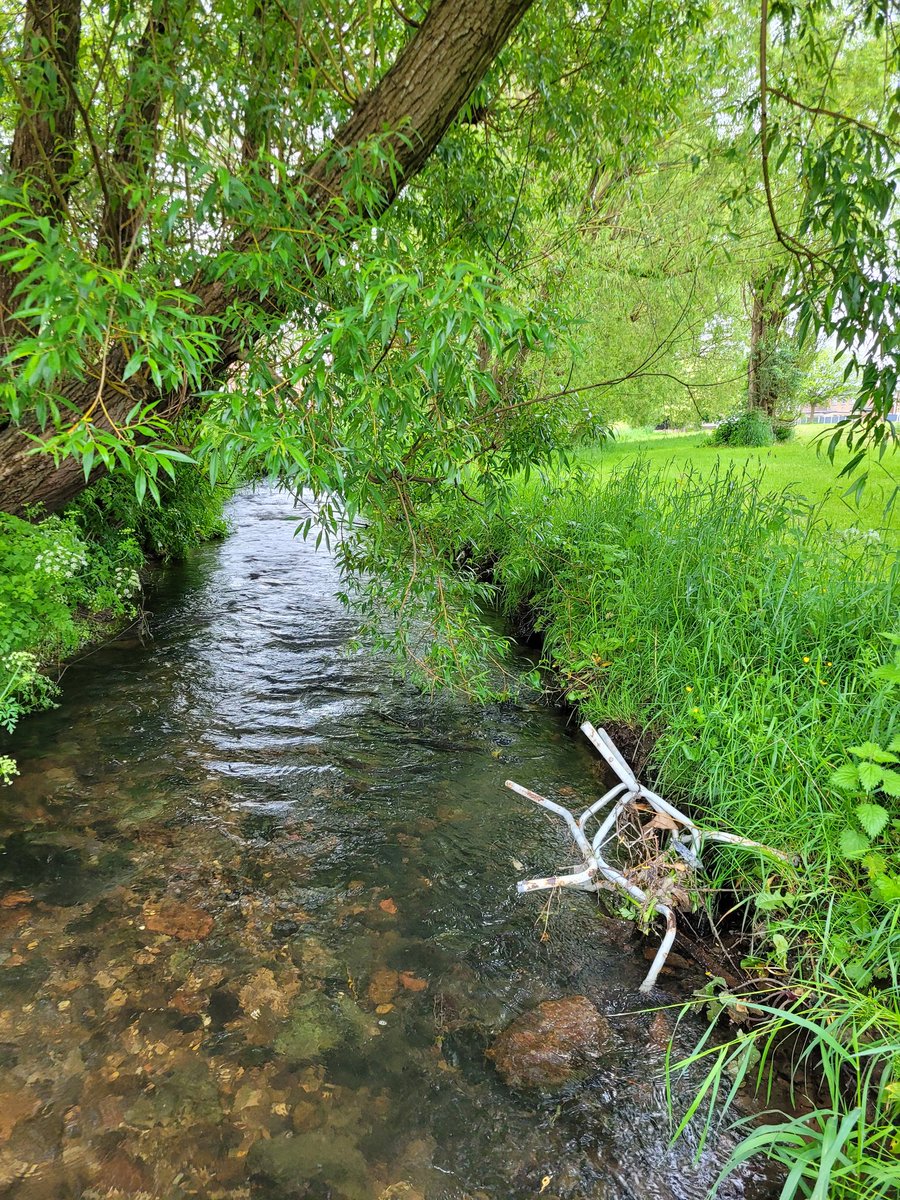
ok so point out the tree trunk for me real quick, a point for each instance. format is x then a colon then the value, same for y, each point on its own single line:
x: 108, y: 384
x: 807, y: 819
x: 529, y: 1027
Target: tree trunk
x: 766, y: 318
x: 757, y: 331
x: 136, y: 134
x: 43, y: 145
x: 419, y: 98
x: 42, y: 148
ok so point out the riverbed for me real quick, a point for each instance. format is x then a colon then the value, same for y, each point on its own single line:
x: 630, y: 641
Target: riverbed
x: 258, y: 922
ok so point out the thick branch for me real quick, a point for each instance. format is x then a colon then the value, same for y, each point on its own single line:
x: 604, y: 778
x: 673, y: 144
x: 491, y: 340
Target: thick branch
x: 789, y: 242
x: 43, y: 143
x: 43, y: 148
x: 416, y: 101
x: 845, y: 118
x: 136, y: 137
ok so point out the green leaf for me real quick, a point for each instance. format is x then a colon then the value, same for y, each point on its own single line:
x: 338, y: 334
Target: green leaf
x: 888, y: 888
x: 870, y: 775
x: 780, y: 944
x: 134, y: 364
x: 872, y: 817
x: 890, y: 782
x: 872, y: 751
x: 854, y: 844
x: 845, y: 778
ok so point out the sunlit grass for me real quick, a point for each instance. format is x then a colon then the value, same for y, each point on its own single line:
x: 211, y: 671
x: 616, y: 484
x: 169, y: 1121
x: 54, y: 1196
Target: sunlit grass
x: 801, y: 464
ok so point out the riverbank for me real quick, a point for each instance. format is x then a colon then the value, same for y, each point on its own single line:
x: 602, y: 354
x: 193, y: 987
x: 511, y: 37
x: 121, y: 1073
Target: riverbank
x: 749, y: 642
x: 73, y: 580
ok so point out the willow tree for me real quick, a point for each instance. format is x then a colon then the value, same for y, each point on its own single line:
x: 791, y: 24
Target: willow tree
x: 177, y: 179
x: 299, y: 220
x: 826, y: 111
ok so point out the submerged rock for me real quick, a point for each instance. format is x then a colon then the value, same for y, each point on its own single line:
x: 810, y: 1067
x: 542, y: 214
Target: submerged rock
x: 334, y: 1163
x: 317, y: 1024
x: 551, y: 1044
x: 177, y: 919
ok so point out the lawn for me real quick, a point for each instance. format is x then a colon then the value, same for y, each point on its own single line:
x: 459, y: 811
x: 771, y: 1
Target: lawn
x: 800, y: 464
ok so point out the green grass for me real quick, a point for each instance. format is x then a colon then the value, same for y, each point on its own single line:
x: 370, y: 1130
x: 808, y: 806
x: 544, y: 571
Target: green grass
x: 800, y: 464
x: 733, y: 619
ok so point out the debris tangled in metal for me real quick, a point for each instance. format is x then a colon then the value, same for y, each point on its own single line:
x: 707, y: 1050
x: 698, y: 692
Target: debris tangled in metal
x: 664, y: 879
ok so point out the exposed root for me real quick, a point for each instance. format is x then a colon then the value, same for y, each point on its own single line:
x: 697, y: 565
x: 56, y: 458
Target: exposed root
x: 664, y: 853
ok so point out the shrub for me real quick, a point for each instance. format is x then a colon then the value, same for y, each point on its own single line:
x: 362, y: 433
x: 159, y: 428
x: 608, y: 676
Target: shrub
x: 751, y: 428
x: 190, y: 513
x: 51, y: 577
x: 65, y: 577
x: 54, y: 584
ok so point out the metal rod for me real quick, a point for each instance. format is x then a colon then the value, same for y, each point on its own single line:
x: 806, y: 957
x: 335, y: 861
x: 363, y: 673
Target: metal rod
x: 597, y: 869
x: 598, y: 804
x: 580, y: 840
x: 617, y: 754
x: 615, y: 761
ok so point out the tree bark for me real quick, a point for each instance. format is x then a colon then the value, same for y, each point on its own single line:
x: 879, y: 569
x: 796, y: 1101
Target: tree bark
x: 766, y: 318
x: 43, y: 142
x: 136, y: 131
x: 757, y: 329
x: 43, y: 146
x: 417, y: 100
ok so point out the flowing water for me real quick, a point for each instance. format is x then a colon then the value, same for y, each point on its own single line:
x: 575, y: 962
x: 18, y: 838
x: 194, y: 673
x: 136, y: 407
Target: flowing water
x: 258, y: 923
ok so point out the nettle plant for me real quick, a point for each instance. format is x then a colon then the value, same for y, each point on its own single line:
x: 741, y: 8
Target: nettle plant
x: 873, y: 836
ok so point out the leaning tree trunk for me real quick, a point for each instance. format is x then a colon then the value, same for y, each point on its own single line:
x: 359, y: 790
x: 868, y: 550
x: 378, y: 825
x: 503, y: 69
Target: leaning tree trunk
x: 421, y: 95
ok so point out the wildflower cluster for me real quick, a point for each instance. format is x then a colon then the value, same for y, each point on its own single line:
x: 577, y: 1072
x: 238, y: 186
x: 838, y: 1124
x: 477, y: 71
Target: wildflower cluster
x: 853, y: 534
x: 126, y: 581
x: 8, y: 770
x: 20, y: 663
x: 60, y: 562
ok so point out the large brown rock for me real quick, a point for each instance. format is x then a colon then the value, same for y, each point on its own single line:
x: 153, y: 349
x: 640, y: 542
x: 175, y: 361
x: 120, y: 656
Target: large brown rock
x: 177, y: 919
x: 551, y: 1044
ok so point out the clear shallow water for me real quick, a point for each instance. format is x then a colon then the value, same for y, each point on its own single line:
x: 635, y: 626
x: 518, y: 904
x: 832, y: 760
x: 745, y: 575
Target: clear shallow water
x: 258, y: 923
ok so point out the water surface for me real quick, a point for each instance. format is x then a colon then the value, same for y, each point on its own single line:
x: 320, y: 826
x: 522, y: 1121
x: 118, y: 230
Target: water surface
x: 258, y: 923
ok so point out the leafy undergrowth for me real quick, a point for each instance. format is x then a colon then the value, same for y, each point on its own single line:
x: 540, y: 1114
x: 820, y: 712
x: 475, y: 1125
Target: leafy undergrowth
x: 758, y: 646
x: 69, y: 579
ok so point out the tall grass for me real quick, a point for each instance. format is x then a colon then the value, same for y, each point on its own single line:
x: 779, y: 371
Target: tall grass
x: 744, y: 634
x: 841, y: 1142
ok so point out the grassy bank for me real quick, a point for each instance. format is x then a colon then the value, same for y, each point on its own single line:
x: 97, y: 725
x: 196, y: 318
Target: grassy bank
x: 753, y: 641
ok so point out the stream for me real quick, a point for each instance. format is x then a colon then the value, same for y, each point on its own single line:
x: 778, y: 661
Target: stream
x: 258, y: 923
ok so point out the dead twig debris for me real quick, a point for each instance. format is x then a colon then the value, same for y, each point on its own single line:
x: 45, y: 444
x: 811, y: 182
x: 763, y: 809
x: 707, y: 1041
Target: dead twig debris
x: 665, y: 851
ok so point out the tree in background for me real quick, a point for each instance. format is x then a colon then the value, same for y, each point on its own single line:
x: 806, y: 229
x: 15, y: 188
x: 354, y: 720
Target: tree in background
x: 340, y: 242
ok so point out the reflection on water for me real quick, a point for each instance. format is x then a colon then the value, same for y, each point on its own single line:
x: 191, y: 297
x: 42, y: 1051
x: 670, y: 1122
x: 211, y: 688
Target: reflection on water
x: 258, y: 923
